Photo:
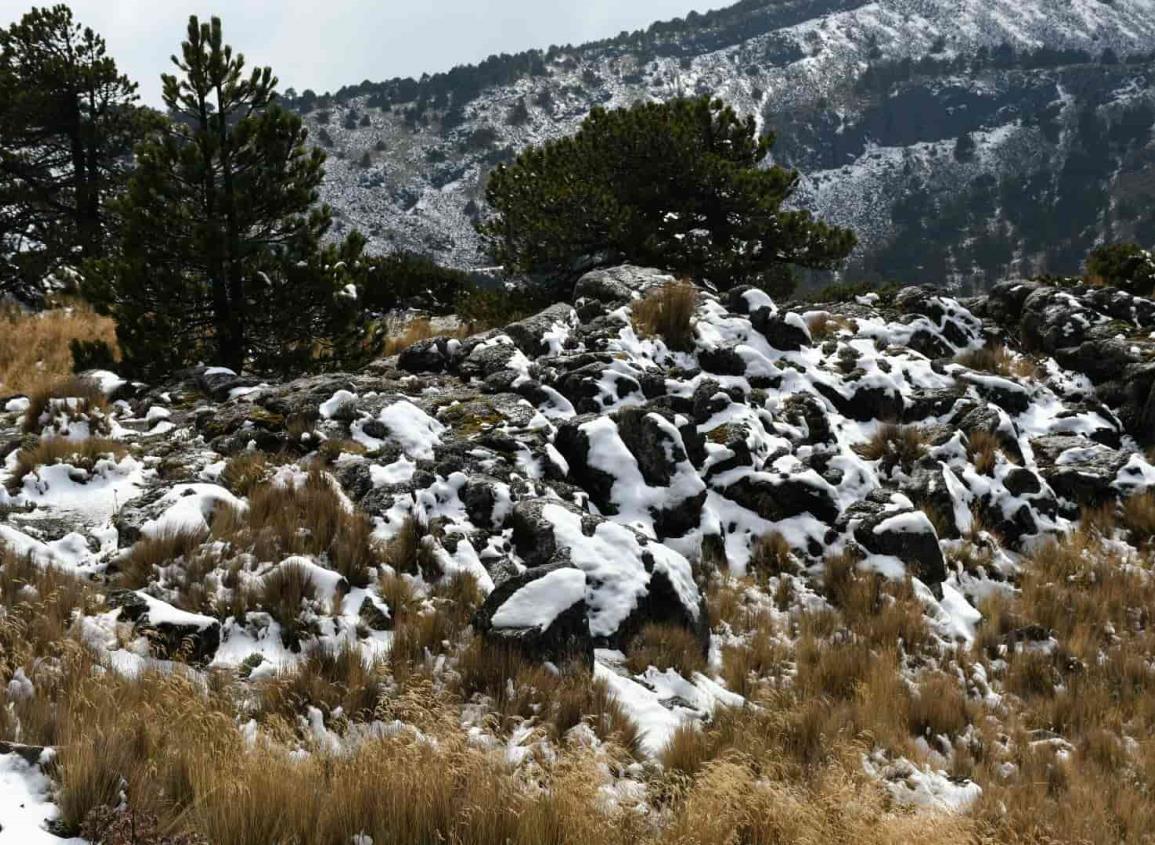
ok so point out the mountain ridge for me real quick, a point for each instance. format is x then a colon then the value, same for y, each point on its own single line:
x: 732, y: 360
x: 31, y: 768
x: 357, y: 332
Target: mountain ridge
x: 409, y: 158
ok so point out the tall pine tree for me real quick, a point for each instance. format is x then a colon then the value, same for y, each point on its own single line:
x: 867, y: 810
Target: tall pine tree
x: 68, y: 120
x: 676, y: 185
x: 221, y: 258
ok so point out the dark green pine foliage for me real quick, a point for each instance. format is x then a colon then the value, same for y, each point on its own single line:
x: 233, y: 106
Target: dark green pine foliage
x: 1125, y: 265
x: 676, y: 185
x: 68, y: 121
x: 221, y: 259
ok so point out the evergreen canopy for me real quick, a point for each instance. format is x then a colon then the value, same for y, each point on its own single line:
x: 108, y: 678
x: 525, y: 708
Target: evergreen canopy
x: 676, y: 185
x: 221, y: 258
x: 68, y: 121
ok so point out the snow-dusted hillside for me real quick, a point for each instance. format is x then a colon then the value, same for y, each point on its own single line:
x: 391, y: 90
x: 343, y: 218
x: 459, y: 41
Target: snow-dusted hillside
x: 868, y: 127
x: 561, y: 543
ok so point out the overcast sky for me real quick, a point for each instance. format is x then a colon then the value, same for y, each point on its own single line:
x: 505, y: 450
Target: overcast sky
x: 324, y: 44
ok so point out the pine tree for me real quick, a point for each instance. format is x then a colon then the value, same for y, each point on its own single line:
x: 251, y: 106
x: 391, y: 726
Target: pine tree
x: 675, y: 185
x: 68, y: 121
x: 221, y: 258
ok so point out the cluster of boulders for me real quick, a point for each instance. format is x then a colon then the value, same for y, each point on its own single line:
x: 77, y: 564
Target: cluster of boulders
x: 587, y: 474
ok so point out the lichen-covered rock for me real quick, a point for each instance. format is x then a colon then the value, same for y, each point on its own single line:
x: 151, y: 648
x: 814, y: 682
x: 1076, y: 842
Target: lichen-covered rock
x: 778, y: 496
x: 630, y: 580
x: 544, y: 333
x: 542, y: 612
x: 904, y: 533
x: 619, y: 285
x: 634, y: 463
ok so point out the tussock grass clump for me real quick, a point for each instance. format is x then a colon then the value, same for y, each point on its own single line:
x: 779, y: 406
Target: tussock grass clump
x: 284, y: 593
x: 34, y: 347
x: 137, y: 568
x: 330, y: 680
x: 71, y: 398
x: 83, y: 454
x: 760, y: 658
x: 407, y: 552
x: 895, y: 445
x: 519, y: 688
x: 996, y: 359
x: 1075, y: 644
x: 665, y: 646
x: 983, y: 450
x: 1139, y: 518
x: 668, y: 312
x: 243, y: 473
x: 305, y: 517
x: 772, y: 555
x: 940, y: 707
x: 823, y: 325
x: 882, y: 611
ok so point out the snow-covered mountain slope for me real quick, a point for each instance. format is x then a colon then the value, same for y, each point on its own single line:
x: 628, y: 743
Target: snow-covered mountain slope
x: 1052, y: 101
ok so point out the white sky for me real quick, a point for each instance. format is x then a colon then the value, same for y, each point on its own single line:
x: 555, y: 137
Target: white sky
x: 324, y: 44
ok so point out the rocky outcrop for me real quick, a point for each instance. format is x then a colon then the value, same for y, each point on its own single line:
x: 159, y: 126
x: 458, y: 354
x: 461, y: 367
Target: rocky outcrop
x: 1102, y: 333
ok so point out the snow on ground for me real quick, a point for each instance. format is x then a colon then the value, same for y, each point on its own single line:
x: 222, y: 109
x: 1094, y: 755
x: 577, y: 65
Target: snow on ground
x: 25, y: 804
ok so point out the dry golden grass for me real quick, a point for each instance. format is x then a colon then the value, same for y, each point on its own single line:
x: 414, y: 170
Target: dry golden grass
x: 82, y: 454
x: 137, y: 568
x: 983, y: 450
x: 762, y: 658
x: 771, y: 555
x: 1092, y: 686
x: 407, y: 552
x: 416, y: 331
x: 34, y: 348
x: 823, y: 325
x: 885, y: 613
x: 668, y: 312
x: 243, y: 473
x: 84, y: 398
x: 518, y: 689
x: 998, y: 360
x: 1139, y: 517
x: 284, y: 593
x: 332, y: 681
x: 894, y: 445
x: 302, y: 518
x: 666, y: 646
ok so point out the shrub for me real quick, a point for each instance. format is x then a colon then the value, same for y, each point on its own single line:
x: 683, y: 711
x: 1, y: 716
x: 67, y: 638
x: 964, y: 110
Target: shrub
x: 668, y: 312
x: 1123, y: 265
x: 482, y: 308
x: 404, y: 279
x: 850, y: 291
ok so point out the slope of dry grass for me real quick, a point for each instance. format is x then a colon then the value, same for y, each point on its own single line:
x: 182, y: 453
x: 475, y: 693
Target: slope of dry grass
x: 34, y: 348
